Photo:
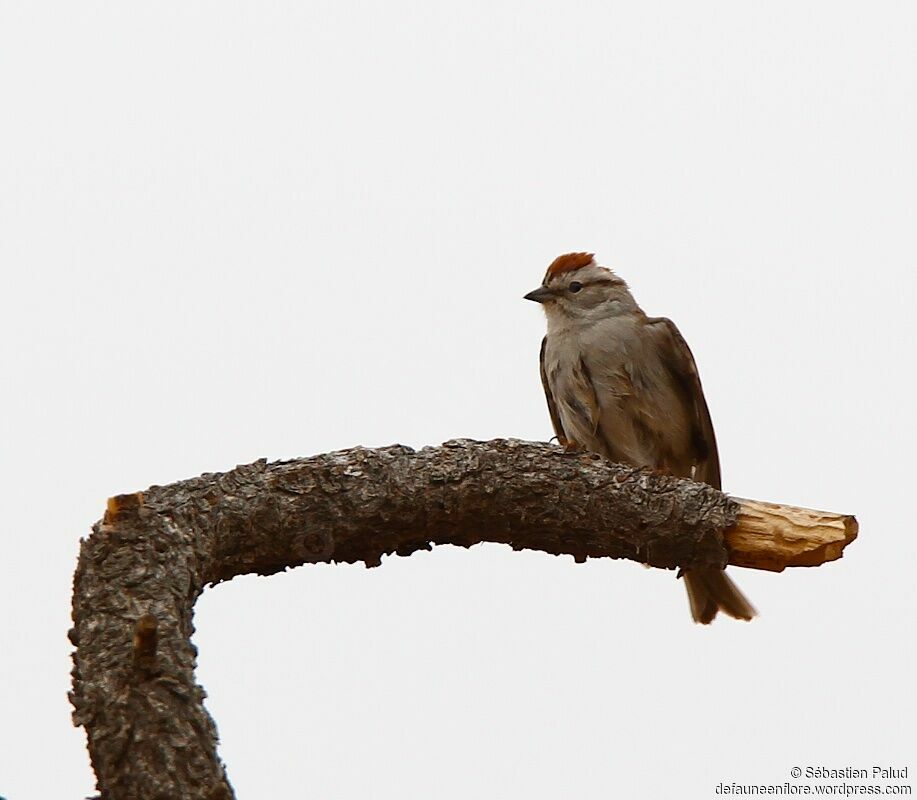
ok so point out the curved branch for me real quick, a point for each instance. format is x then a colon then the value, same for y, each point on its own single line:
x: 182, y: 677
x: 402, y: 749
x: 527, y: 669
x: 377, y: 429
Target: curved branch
x: 141, y: 571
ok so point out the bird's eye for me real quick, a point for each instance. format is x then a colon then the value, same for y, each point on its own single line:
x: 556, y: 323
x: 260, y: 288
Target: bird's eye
x: 575, y: 286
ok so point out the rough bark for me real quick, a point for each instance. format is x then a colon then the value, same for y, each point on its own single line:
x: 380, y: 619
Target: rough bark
x: 141, y: 571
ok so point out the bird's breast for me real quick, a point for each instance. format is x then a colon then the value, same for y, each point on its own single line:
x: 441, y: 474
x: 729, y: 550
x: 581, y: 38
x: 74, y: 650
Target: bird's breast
x: 613, y: 393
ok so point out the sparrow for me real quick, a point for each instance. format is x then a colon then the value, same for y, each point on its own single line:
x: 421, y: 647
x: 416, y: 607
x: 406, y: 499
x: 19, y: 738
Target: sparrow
x: 625, y: 385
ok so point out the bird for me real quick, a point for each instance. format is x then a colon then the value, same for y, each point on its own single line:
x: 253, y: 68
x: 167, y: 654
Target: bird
x: 625, y: 385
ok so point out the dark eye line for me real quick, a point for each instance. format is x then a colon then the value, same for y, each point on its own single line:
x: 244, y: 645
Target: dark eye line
x: 597, y: 282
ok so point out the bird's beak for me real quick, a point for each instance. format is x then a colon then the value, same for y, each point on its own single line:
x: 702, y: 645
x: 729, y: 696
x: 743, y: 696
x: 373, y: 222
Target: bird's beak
x: 540, y: 294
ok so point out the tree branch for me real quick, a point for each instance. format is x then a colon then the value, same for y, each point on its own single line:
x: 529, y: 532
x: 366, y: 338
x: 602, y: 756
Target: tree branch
x: 141, y: 571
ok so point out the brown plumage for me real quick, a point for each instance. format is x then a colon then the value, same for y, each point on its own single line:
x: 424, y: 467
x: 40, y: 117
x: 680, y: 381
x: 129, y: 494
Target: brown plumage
x: 626, y: 386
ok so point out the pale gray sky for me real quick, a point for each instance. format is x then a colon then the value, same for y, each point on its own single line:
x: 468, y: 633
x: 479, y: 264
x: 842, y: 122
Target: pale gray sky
x: 241, y: 230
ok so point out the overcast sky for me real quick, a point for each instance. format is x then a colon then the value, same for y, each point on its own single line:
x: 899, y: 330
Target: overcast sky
x: 240, y: 230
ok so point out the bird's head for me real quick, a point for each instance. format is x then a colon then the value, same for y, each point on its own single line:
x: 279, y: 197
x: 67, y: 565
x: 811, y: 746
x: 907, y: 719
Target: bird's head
x: 575, y: 288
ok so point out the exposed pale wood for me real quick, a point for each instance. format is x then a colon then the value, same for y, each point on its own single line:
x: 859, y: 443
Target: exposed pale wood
x: 773, y: 536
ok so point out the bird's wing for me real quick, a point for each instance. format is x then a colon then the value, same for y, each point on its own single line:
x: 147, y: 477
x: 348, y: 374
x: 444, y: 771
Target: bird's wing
x: 677, y: 359
x: 549, y: 396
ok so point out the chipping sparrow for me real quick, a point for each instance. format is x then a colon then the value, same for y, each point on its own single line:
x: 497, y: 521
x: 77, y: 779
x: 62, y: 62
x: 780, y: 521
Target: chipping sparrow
x: 625, y: 385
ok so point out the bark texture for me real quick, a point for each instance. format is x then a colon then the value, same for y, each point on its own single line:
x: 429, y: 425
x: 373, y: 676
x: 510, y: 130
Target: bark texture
x: 146, y: 562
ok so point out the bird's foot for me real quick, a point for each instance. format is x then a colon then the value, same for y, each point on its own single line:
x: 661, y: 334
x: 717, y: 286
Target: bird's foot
x: 569, y: 445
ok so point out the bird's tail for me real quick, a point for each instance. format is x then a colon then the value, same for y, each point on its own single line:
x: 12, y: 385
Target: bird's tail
x: 710, y: 590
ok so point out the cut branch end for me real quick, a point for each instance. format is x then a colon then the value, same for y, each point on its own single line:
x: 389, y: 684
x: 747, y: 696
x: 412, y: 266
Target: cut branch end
x: 773, y: 536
